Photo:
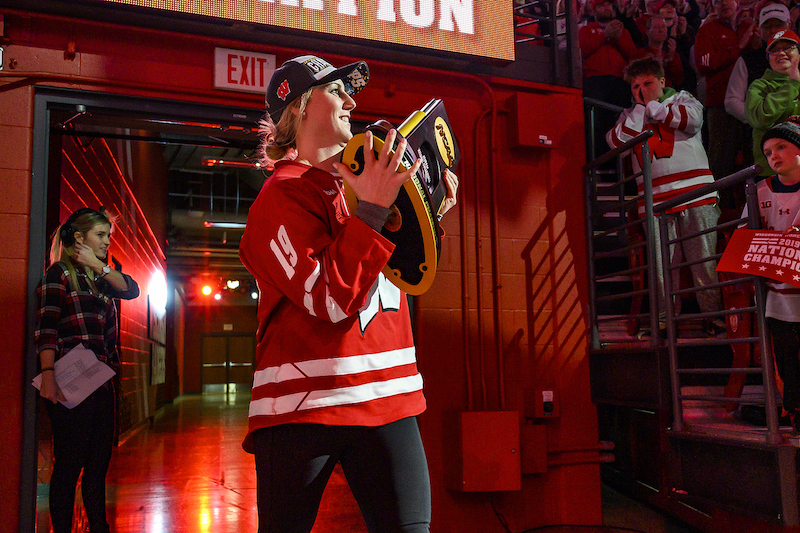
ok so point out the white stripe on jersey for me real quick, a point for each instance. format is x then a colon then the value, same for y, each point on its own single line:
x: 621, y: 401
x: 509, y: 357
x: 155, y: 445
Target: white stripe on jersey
x: 276, y: 406
x: 311, y: 280
x: 335, y: 397
x: 335, y: 311
x: 336, y: 366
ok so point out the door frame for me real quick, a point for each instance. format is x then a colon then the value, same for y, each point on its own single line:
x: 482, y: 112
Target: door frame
x: 203, y: 337
x: 45, y: 100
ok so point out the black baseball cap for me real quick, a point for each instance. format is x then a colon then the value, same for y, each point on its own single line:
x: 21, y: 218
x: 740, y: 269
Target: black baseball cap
x: 788, y: 131
x: 299, y: 74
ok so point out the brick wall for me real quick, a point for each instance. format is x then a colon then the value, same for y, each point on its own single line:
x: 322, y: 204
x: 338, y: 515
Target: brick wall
x: 16, y: 132
x: 91, y: 177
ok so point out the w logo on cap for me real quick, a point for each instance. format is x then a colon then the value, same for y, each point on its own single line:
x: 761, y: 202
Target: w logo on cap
x: 283, y: 90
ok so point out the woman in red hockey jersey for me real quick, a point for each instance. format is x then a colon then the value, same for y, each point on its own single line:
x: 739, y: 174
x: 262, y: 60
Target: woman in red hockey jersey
x: 336, y: 378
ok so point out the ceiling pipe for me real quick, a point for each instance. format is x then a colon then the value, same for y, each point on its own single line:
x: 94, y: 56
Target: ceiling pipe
x: 203, y: 252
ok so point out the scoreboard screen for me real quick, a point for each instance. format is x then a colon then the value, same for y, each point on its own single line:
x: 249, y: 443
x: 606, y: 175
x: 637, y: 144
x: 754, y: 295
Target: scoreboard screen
x: 483, y: 28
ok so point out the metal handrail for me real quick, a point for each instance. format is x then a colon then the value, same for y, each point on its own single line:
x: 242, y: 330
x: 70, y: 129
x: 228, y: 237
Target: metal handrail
x: 727, y: 181
x: 593, y: 212
x: 552, y: 39
x: 767, y: 366
x: 619, y: 150
x: 659, y: 214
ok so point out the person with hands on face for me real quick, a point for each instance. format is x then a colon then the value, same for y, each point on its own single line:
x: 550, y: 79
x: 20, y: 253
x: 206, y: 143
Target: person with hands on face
x: 664, y: 48
x: 677, y: 24
x: 719, y: 43
x: 773, y: 98
x: 336, y: 378
x: 650, y: 10
x: 691, y: 12
x: 779, y: 208
x: 606, y: 48
x: 678, y: 164
x: 773, y: 17
x: 677, y: 33
x: 627, y: 11
x: 77, y: 307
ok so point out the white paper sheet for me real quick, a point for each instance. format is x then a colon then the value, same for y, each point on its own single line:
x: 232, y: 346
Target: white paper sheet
x: 78, y: 374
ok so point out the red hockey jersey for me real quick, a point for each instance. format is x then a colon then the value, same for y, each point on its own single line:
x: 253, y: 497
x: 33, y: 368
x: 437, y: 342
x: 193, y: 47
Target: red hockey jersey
x: 334, y: 341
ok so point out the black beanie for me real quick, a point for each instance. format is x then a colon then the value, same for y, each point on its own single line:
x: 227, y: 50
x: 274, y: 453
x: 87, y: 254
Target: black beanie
x: 788, y: 131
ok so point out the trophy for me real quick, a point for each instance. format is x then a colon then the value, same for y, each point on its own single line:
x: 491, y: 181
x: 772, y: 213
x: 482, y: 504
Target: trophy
x: 413, y: 225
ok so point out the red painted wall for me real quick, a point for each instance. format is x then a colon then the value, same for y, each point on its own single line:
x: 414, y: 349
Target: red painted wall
x: 16, y: 129
x: 91, y: 176
x: 506, y: 313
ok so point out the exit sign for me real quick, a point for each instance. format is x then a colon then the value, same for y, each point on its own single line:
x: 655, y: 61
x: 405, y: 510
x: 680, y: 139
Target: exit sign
x: 239, y: 70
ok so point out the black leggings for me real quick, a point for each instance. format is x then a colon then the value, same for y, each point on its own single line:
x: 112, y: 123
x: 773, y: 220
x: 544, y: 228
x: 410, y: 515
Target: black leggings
x: 82, y: 439
x: 786, y: 345
x: 385, y: 467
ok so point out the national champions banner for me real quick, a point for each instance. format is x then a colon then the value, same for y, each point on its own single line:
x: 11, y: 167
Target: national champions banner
x: 770, y: 254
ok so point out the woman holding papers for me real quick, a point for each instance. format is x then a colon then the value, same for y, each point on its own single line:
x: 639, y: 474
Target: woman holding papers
x: 76, y: 307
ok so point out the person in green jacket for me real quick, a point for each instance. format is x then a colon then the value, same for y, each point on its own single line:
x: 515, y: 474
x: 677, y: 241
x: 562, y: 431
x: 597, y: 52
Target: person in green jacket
x: 773, y: 98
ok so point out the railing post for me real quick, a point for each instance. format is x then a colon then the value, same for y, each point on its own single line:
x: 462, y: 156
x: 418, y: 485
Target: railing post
x: 650, y: 248
x: 590, y: 117
x: 767, y: 364
x: 555, y: 67
x: 672, y: 349
x: 591, y: 209
x: 589, y: 194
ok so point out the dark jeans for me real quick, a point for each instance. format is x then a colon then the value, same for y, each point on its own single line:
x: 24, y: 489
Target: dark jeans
x: 786, y: 346
x: 82, y: 439
x: 725, y: 141
x: 385, y: 467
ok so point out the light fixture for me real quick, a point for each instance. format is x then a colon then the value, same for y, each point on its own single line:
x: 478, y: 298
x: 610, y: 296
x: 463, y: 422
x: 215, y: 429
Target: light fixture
x: 223, y: 224
x: 254, y: 295
x: 206, y: 289
x: 157, y: 292
x: 232, y: 163
x: 232, y: 284
x: 218, y: 296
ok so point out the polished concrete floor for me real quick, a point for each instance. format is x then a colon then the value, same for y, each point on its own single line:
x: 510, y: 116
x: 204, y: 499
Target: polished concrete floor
x: 187, y: 472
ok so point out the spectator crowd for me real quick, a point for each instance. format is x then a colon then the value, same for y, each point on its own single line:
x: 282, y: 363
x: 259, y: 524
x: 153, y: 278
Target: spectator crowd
x: 718, y: 84
x: 739, y: 59
x: 710, y: 78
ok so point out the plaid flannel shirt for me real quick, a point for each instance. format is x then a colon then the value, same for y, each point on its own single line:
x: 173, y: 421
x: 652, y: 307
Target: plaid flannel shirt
x: 67, y: 317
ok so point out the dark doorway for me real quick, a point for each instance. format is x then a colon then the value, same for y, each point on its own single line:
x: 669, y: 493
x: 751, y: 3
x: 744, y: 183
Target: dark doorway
x: 207, y: 152
x: 227, y: 362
